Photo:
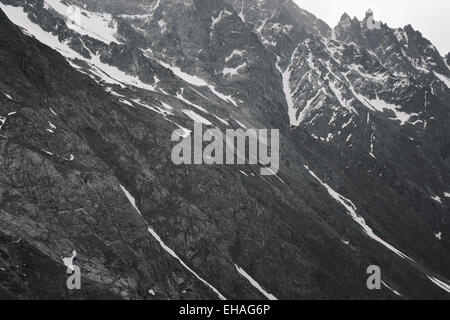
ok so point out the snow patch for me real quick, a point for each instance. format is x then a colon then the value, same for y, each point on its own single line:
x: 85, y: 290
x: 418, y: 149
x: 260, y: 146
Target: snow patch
x: 126, y: 102
x: 100, y: 26
x: 175, y: 256
x: 181, y: 97
x: 233, y: 71
x: 308, y: 108
x: 345, y: 125
x: 443, y: 78
x: 218, y: 19
x: 71, y: 158
x: 437, y: 199
x: 47, y: 152
x: 241, y: 14
x: 239, y: 53
x: 8, y: 96
x: 132, y: 201
x: 2, y: 122
x: 196, y: 81
x: 222, y: 120
x: 162, y: 25
x: 254, y: 283
x: 163, y: 111
x: 109, y: 74
x: 113, y: 73
x: 372, y: 138
x: 381, y: 105
x: 351, y: 210
x: 344, y: 103
x: 196, y: 117
x: 135, y: 16
x: 286, y: 77
x: 440, y: 284
x: 19, y: 17
x: 240, y: 124
x: 392, y: 290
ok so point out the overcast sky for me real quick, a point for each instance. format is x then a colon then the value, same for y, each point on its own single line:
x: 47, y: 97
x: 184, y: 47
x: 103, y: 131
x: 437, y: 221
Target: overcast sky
x: 430, y: 17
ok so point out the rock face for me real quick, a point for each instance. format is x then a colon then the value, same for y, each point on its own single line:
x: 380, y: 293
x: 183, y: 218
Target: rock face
x: 88, y: 104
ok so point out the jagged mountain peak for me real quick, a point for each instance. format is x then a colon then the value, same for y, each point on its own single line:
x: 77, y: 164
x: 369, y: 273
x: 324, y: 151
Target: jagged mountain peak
x: 345, y: 17
x: 280, y: 25
x: 403, y: 49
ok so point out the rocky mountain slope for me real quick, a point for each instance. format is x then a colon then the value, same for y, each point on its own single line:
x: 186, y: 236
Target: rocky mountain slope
x: 92, y: 91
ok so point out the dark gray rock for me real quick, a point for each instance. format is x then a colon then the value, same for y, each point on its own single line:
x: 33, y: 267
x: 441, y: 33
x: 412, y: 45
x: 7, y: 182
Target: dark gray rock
x: 286, y: 231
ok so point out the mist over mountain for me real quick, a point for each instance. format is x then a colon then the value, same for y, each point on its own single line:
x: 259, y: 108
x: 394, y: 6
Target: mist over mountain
x: 92, y: 91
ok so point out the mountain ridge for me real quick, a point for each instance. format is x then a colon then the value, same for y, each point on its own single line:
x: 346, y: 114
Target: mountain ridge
x: 371, y: 128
